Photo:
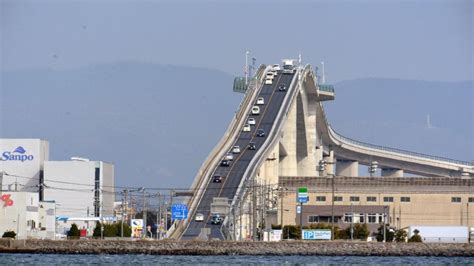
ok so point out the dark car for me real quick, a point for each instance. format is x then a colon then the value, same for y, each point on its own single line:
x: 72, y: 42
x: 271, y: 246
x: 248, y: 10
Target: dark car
x: 261, y: 133
x: 225, y: 162
x: 252, y: 146
x: 216, y: 219
x: 282, y: 87
x: 217, y: 179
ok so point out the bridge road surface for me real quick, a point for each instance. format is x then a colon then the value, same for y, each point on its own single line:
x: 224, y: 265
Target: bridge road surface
x: 232, y: 174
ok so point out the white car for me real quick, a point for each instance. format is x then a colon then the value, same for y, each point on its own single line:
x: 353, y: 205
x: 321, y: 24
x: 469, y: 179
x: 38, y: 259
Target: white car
x: 251, y: 121
x: 268, y: 81
x: 260, y: 100
x: 255, y: 110
x: 199, y: 217
x: 236, y: 149
x: 276, y: 67
x: 229, y: 156
x: 270, y: 75
x: 246, y: 128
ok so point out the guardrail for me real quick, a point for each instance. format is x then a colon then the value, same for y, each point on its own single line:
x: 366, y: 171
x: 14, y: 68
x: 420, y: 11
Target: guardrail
x: 326, y: 87
x: 218, y: 151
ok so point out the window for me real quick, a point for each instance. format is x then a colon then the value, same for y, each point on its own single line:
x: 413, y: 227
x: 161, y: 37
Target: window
x: 359, y: 218
x: 320, y: 198
x: 337, y: 198
x: 387, y: 199
x: 471, y: 200
x: 456, y: 199
x: 355, y: 198
x: 313, y: 219
x: 372, y: 218
x: 371, y: 199
x: 348, y: 217
x: 405, y: 199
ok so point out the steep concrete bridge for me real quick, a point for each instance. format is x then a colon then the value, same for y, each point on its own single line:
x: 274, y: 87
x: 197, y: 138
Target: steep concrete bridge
x: 297, y: 139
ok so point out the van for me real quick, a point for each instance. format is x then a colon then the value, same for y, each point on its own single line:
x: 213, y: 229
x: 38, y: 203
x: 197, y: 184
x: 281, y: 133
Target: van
x: 255, y: 110
x: 289, y: 66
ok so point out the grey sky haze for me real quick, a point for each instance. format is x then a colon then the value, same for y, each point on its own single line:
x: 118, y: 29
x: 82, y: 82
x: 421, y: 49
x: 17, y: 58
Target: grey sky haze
x: 427, y: 40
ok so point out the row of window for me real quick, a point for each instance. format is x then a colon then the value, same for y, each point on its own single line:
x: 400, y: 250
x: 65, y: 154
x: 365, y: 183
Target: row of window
x: 385, y: 199
x: 458, y: 199
x: 369, y: 199
x: 370, y: 218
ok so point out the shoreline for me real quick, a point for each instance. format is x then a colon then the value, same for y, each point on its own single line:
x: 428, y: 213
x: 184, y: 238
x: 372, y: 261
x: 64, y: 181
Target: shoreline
x: 209, y: 248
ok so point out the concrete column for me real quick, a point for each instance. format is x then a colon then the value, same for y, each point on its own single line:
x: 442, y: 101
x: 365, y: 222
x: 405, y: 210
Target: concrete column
x: 392, y: 172
x: 288, y: 163
x: 347, y: 168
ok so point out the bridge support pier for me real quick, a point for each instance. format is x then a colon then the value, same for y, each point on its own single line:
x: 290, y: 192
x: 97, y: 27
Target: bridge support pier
x: 392, y: 172
x: 347, y: 168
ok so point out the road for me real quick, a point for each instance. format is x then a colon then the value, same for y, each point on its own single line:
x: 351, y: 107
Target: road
x: 233, y: 173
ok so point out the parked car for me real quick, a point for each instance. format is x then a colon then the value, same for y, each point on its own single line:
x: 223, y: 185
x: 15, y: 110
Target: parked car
x: 260, y: 133
x: 199, y: 217
x: 252, y: 146
x: 246, y: 128
x: 260, y: 101
x: 282, y: 87
x: 251, y: 121
x: 236, y: 149
x: 217, y: 179
x: 225, y: 162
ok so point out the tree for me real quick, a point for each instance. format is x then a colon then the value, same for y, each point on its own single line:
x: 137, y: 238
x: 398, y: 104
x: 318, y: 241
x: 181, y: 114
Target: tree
x: 73, y: 232
x: 10, y: 234
x: 127, y: 230
x: 416, y: 237
x: 389, y: 234
x: 97, y: 229
x: 361, y: 231
x: 401, y: 235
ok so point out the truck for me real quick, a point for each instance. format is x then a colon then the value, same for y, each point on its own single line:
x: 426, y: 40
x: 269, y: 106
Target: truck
x: 441, y: 233
x: 289, y: 66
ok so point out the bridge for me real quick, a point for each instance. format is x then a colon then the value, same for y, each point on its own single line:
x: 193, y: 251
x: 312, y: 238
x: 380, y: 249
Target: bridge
x: 298, y: 138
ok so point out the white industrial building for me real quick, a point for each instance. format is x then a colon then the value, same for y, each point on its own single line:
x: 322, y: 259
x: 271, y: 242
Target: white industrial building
x: 83, y: 191
x: 79, y: 191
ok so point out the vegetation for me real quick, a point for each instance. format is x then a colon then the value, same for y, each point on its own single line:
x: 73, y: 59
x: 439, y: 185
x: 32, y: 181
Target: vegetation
x: 112, y: 230
x: 416, y: 237
x: 389, y: 234
x: 10, y: 234
x: 401, y: 235
x: 73, y: 232
x: 361, y: 231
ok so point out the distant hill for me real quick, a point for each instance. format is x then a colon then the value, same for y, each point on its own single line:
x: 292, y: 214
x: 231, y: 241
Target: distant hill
x: 157, y: 123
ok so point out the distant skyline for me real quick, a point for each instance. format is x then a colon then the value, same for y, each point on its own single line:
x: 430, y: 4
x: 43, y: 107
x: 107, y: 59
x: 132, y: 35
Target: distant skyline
x: 423, y: 40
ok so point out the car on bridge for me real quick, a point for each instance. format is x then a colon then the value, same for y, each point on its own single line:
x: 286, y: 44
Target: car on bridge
x: 199, y: 217
x: 236, y: 149
x: 252, y: 146
x: 217, y: 179
x: 225, y: 163
x: 260, y: 101
x: 251, y: 121
x: 216, y: 219
x: 255, y: 110
x: 276, y: 67
x: 246, y: 128
x: 229, y: 156
x: 282, y: 87
x: 260, y: 133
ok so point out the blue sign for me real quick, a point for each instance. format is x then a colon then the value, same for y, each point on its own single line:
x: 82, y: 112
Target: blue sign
x: 179, y: 211
x: 302, y: 194
x: 318, y: 234
x: 17, y: 155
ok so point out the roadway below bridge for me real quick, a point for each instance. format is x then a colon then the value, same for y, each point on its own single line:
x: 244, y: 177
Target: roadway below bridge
x: 233, y: 174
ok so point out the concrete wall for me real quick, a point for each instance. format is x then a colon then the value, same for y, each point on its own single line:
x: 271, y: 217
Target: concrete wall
x: 22, y: 216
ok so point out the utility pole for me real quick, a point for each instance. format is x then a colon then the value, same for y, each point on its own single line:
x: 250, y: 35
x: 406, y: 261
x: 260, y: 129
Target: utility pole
x: 254, y: 210
x: 352, y: 221
x: 332, y: 208
x: 247, y: 67
x: 123, y: 213
x: 384, y: 224
x: 144, y: 215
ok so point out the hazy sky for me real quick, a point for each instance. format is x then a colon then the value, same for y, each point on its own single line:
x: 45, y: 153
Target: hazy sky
x: 428, y: 40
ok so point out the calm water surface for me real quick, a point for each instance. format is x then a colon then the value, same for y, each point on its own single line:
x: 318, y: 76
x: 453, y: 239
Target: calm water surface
x: 55, y: 259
